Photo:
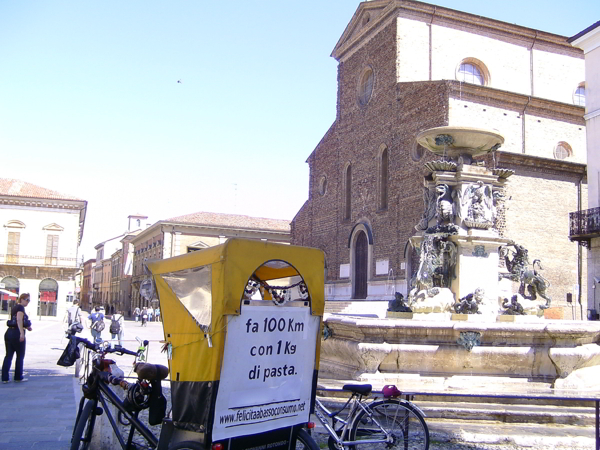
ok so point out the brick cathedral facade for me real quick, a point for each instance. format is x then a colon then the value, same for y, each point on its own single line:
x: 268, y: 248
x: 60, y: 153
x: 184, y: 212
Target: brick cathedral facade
x: 403, y: 68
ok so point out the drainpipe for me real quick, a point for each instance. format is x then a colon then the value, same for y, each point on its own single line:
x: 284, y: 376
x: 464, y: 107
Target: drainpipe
x: 431, y: 42
x: 531, y: 62
x: 579, y: 252
x: 523, y: 125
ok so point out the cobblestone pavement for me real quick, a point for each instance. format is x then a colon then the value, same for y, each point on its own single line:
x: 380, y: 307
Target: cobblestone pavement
x: 40, y: 414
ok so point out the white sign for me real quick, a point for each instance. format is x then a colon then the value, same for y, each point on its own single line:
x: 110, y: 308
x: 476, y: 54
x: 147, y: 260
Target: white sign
x: 382, y: 267
x: 267, y: 371
x: 344, y: 270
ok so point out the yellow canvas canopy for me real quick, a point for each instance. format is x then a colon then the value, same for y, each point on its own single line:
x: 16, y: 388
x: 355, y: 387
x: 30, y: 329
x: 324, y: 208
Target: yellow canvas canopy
x: 197, y: 292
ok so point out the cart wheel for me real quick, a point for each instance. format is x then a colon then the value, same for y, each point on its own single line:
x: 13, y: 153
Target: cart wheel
x: 187, y: 445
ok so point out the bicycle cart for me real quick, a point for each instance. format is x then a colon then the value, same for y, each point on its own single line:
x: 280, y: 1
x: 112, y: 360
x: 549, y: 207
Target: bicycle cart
x: 242, y: 322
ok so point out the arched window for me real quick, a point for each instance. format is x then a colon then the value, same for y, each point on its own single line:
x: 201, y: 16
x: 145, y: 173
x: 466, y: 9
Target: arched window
x: 383, y: 177
x: 473, y: 71
x: 562, y: 150
x: 365, y: 86
x: 579, y: 95
x: 348, y: 192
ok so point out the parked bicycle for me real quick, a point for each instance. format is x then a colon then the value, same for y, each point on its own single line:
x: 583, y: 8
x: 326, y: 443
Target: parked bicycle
x: 385, y: 423
x: 144, y: 393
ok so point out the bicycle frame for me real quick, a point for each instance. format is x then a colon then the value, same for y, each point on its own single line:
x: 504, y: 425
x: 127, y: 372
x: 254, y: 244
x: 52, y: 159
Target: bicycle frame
x: 356, y: 400
x: 102, y: 394
x: 105, y: 395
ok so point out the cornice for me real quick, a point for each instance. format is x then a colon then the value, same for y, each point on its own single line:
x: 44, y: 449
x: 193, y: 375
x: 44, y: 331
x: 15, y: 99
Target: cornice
x: 42, y: 202
x: 546, y: 165
x: 524, y: 103
x: 440, y: 15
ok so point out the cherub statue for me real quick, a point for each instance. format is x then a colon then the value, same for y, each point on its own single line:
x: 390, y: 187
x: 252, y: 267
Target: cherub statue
x: 512, y: 307
x: 398, y: 304
x: 470, y: 303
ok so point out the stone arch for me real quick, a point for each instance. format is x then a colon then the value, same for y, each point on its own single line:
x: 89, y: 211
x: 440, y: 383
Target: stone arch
x: 47, y: 306
x: 11, y: 284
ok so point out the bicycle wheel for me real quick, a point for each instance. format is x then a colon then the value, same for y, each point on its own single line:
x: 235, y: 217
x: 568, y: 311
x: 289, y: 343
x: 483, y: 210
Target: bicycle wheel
x: 403, y: 422
x: 84, y: 427
x: 305, y: 441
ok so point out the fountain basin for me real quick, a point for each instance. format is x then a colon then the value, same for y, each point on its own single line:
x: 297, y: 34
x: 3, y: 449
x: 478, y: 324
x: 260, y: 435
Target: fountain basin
x: 554, y: 353
x: 459, y: 141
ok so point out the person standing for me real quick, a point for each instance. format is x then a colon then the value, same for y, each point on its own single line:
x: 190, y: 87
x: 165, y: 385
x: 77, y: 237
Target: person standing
x: 74, y: 318
x: 14, y: 339
x: 150, y: 314
x: 97, y: 325
x: 157, y: 314
x: 117, y: 322
x: 144, y: 316
x: 136, y: 313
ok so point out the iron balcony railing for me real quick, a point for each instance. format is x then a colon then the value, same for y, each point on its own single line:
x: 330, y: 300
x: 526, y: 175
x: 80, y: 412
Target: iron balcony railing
x: 584, y: 224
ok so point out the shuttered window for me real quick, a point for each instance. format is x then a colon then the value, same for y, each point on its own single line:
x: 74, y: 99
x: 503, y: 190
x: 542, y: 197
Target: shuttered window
x: 51, y: 250
x: 12, y: 252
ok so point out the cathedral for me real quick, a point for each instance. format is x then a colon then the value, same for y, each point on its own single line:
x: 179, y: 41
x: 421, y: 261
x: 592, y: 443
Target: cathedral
x: 405, y: 67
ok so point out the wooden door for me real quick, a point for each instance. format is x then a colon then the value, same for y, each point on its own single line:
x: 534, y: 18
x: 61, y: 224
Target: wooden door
x: 360, y: 268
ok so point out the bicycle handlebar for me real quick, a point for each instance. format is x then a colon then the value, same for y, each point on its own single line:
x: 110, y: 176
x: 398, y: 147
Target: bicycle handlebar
x: 98, y: 348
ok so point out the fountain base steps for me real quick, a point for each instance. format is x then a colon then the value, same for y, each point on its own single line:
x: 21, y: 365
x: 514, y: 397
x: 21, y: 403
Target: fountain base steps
x: 505, y: 435
x: 357, y: 308
x: 479, y: 409
x: 479, y: 420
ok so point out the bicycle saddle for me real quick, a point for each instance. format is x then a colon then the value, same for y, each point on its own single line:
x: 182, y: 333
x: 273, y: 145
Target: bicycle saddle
x: 148, y: 371
x: 362, y: 389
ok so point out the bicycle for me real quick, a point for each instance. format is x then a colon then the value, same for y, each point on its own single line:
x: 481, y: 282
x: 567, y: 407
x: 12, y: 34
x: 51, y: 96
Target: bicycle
x: 98, y: 392
x: 380, y: 424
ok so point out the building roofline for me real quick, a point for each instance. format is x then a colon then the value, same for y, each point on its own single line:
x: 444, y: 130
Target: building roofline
x: 584, y: 32
x: 436, y: 14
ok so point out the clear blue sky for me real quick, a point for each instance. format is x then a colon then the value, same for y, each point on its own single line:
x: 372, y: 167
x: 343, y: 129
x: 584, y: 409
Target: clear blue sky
x: 90, y: 105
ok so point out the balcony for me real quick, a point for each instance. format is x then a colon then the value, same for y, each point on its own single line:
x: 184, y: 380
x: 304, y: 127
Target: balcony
x: 38, y: 261
x: 584, y: 225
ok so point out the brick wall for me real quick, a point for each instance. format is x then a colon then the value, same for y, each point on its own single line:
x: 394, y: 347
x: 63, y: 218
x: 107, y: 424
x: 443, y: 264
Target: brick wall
x: 539, y: 196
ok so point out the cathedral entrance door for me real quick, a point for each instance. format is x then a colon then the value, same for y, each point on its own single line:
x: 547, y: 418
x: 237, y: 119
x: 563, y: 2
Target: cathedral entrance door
x: 360, y: 265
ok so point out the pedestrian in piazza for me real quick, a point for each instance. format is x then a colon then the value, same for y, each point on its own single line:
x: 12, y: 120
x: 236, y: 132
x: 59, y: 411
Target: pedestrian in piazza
x: 144, y: 316
x: 74, y: 319
x: 97, y: 325
x: 136, y: 313
x: 157, y: 314
x: 14, y: 339
x: 150, y: 314
x: 117, y: 322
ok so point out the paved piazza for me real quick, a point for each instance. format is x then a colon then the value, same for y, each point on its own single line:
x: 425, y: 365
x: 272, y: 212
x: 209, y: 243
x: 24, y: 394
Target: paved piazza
x: 40, y: 413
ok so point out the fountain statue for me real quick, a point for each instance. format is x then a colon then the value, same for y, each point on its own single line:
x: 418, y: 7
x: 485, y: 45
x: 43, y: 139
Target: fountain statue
x: 457, y: 232
x: 463, y: 328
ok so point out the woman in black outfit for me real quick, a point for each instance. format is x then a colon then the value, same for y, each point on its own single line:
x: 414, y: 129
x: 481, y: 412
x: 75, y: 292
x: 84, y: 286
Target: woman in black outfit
x: 14, y: 339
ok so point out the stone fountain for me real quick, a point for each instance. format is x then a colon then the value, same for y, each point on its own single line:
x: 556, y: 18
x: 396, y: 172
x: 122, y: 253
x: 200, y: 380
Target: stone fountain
x: 466, y: 325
